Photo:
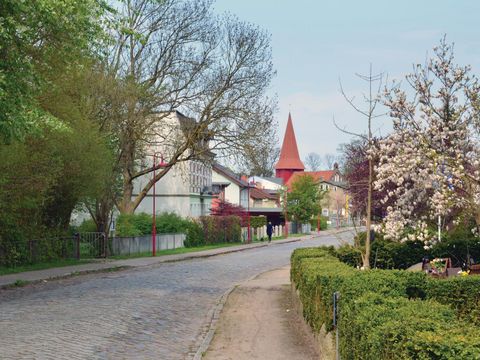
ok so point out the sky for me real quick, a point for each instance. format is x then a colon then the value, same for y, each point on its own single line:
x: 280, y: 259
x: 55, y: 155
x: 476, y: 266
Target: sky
x: 317, y: 43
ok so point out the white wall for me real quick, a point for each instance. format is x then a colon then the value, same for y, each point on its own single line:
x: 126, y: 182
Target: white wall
x: 232, y: 191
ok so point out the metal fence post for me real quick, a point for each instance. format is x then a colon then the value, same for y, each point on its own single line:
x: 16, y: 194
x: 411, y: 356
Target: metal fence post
x: 336, y: 297
x: 77, y: 245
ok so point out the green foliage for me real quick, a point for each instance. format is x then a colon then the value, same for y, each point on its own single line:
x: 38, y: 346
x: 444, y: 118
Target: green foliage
x: 350, y: 255
x: 195, y: 234
x: 87, y: 225
x: 258, y: 221
x: 141, y: 224
x: 323, y: 222
x: 381, y: 313
x: 378, y: 327
x: 461, y: 293
x: 221, y: 229
x: 303, y: 201
x: 37, y: 37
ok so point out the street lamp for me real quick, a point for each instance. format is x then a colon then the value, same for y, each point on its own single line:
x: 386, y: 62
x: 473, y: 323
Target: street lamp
x: 154, y: 223
x: 286, y: 215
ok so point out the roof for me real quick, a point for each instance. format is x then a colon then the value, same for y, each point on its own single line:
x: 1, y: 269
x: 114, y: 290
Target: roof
x: 229, y: 174
x: 257, y: 193
x: 289, y: 157
x: 324, y: 175
x: 275, y: 180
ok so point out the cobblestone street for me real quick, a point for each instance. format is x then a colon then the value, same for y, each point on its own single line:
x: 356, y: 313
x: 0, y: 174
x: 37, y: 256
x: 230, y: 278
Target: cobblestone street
x: 156, y: 312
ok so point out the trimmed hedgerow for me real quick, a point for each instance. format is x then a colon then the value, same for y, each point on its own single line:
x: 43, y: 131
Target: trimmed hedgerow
x: 382, y: 312
x: 461, y: 293
x: 378, y: 327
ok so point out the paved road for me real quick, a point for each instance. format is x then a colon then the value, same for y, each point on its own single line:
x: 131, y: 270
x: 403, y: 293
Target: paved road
x: 156, y: 312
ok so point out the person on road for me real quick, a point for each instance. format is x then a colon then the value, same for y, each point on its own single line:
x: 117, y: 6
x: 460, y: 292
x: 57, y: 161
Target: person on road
x: 269, y: 231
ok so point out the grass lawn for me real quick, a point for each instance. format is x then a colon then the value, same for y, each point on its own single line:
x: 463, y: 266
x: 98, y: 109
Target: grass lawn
x: 41, y: 266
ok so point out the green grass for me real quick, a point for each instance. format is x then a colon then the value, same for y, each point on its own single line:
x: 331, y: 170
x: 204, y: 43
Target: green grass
x: 41, y: 266
x: 174, y: 251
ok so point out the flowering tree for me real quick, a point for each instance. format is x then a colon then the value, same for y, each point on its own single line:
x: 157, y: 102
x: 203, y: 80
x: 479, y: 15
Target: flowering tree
x: 225, y: 208
x: 432, y: 154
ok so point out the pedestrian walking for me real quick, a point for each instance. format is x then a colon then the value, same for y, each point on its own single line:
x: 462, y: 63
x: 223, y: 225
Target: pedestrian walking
x: 269, y: 231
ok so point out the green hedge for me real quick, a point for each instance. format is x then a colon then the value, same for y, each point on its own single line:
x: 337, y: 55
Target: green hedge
x: 258, y: 221
x: 461, y: 293
x: 379, y: 316
x: 141, y: 224
x: 221, y: 229
x: 377, y: 327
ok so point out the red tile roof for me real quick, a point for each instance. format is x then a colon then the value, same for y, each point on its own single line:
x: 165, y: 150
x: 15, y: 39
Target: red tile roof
x: 289, y: 157
x: 324, y: 175
x: 256, y: 193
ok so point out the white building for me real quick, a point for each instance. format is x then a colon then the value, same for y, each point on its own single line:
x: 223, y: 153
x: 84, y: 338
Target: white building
x: 229, y: 186
x: 187, y: 188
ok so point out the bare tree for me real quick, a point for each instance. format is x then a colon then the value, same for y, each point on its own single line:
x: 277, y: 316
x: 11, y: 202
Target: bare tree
x: 313, y: 161
x: 176, y: 55
x: 329, y: 161
x: 372, y: 99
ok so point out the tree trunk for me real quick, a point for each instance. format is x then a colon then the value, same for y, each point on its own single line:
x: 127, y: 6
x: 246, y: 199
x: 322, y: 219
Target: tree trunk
x: 366, y: 257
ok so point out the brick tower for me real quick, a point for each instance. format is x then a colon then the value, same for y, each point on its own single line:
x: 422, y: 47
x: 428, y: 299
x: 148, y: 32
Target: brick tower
x: 289, y: 159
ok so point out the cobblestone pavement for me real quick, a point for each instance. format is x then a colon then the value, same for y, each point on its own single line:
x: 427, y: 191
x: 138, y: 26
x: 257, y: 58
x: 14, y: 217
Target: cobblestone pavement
x: 155, y: 312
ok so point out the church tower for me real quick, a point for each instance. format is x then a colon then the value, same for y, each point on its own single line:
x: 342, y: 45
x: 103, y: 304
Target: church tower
x: 289, y: 159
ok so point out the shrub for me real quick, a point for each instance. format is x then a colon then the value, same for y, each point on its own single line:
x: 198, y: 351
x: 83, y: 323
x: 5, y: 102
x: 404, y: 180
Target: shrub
x: 170, y: 223
x: 141, y: 224
x: 258, y: 221
x: 221, y: 229
x: 87, y: 225
x: 349, y: 255
x: 461, y: 293
x: 126, y: 226
x: 323, y: 223
x: 194, y: 235
x: 378, y: 327
x: 377, y: 318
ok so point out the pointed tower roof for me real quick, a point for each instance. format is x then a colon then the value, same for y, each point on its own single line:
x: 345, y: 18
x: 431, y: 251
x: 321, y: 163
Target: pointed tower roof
x: 289, y: 158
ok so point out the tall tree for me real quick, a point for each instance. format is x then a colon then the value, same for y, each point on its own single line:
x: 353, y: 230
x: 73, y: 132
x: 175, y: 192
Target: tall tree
x: 33, y: 36
x: 176, y: 55
x: 303, y: 201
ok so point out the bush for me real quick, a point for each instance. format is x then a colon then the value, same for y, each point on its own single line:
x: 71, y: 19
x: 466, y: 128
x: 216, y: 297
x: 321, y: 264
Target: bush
x: 141, y: 224
x: 87, y: 225
x: 388, y: 254
x: 378, y: 318
x: 323, y: 223
x: 221, y: 229
x: 258, y: 221
x: 126, y: 226
x: 461, y: 293
x: 378, y: 327
x: 195, y: 235
x: 349, y: 255
x: 170, y: 223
